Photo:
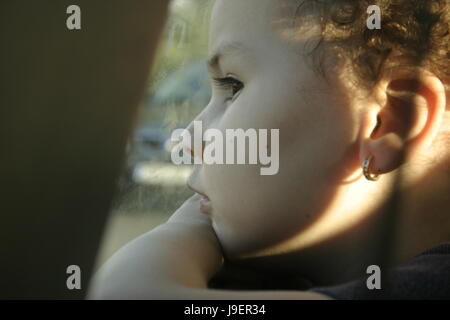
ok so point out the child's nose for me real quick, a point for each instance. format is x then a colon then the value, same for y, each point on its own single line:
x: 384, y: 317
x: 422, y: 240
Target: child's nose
x: 194, y: 146
x: 205, y: 120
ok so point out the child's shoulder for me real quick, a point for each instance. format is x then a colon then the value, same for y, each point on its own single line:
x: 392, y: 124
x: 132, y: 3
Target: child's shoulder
x: 425, y: 276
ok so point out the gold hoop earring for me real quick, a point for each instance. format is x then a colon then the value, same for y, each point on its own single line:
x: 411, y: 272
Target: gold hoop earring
x: 367, y: 174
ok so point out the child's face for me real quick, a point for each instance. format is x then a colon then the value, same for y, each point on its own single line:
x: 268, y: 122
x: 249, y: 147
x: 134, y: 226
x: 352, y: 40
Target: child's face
x: 280, y: 91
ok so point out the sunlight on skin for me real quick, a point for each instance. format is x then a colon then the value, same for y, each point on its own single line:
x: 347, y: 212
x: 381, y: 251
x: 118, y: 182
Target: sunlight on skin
x: 336, y: 220
x: 326, y: 130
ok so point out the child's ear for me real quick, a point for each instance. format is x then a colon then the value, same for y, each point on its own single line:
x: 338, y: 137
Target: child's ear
x: 409, y: 108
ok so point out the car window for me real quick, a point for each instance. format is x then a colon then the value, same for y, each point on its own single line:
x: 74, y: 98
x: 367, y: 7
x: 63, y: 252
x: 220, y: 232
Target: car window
x: 151, y: 187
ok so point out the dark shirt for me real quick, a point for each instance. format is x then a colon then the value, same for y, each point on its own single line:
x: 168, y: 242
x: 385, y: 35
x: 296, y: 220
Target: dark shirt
x: 425, y: 276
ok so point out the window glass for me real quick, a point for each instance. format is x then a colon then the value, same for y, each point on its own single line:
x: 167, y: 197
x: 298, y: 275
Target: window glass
x: 151, y: 187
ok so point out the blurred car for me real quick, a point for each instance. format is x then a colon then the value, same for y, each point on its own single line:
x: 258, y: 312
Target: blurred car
x: 149, y: 160
x: 149, y: 145
x: 174, y: 104
x: 189, y: 84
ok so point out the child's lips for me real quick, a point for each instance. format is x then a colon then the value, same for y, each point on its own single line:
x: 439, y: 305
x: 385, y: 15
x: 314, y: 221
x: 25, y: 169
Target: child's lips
x: 205, y: 205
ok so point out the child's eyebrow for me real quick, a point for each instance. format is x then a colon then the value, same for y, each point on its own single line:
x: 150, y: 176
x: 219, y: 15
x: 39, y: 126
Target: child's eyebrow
x: 228, y: 48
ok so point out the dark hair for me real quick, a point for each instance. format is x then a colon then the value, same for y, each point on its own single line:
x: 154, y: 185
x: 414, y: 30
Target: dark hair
x: 415, y: 30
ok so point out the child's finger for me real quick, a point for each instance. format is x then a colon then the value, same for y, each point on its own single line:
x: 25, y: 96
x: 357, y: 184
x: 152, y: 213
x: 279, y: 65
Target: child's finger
x: 190, y: 212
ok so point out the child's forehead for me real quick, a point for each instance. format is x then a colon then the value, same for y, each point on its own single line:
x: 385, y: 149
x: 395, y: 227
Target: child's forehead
x: 238, y: 21
x: 253, y: 21
x: 256, y: 12
x: 284, y: 7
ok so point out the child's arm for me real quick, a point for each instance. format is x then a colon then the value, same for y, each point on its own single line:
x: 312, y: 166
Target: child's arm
x: 173, y: 261
x: 183, y: 252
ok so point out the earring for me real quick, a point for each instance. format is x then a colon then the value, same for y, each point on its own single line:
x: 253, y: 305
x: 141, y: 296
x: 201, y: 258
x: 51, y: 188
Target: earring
x: 367, y: 174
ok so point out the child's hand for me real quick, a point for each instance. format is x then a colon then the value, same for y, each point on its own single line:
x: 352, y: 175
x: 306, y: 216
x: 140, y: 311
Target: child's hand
x: 190, y: 213
x: 179, y: 255
x: 197, y: 228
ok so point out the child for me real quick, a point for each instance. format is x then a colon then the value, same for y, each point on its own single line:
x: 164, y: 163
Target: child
x: 353, y: 106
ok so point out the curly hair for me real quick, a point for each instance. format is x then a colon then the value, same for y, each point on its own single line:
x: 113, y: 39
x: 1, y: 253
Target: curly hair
x: 416, y: 31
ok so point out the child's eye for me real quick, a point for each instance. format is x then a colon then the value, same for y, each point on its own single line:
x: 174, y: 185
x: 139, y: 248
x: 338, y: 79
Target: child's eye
x: 230, y: 83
